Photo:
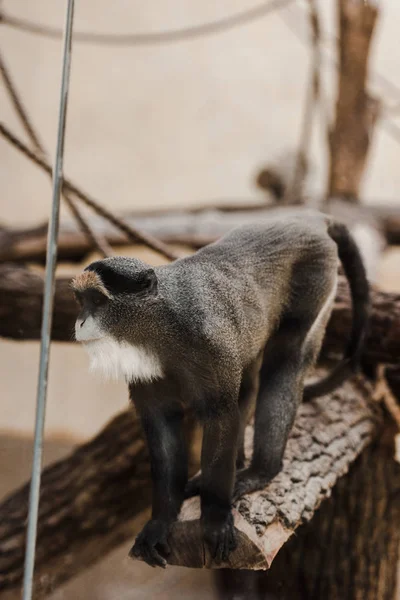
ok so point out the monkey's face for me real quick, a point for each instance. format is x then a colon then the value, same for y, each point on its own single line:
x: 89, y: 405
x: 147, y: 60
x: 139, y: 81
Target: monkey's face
x: 89, y: 325
x: 113, y: 295
x: 116, y: 298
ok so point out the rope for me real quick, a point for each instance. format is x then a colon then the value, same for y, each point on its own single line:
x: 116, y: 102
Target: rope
x: 150, y: 38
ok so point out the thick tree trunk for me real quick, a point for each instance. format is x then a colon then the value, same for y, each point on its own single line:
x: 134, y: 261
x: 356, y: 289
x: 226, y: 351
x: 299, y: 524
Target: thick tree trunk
x: 88, y: 498
x: 356, y: 112
x: 349, y: 550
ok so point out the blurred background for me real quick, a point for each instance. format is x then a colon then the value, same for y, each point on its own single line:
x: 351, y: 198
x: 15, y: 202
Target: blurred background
x: 159, y: 122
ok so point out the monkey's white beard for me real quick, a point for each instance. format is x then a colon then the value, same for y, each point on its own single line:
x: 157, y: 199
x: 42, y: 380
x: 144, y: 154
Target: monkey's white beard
x: 115, y: 360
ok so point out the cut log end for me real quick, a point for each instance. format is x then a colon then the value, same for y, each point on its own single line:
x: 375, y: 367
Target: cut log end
x: 252, y: 551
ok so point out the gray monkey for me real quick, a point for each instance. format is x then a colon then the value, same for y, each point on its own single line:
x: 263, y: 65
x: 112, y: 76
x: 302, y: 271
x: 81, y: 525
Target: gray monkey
x: 240, y: 321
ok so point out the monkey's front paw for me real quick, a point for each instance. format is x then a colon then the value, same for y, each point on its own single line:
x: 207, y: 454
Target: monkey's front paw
x: 152, y: 540
x: 220, y: 538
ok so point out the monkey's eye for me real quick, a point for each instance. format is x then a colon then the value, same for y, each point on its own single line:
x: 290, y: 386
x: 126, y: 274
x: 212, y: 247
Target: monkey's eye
x: 97, y: 298
x: 79, y: 298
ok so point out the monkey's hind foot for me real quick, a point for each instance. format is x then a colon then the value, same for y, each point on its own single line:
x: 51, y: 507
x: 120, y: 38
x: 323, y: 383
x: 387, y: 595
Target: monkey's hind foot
x: 152, y: 540
x: 249, y: 480
x: 193, y: 486
x: 220, y: 538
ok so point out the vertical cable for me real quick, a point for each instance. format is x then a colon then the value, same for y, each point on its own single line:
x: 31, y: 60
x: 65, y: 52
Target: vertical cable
x: 51, y: 261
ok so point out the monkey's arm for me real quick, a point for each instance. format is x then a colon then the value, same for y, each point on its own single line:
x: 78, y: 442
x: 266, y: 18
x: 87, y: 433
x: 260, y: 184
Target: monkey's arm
x: 163, y: 428
x: 218, y: 459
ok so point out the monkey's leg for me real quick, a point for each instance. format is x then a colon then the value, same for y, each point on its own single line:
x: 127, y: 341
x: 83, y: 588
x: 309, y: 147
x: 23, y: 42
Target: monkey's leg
x: 193, y: 486
x: 168, y: 457
x: 288, y: 356
x: 280, y: 390
x: 247, y: 396
x: 218, y: 459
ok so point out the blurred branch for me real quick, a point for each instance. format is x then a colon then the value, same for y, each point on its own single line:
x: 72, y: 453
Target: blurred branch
x: 99, y: 243
x: 383, y: 340
x: 294, y: 190
x: 187, y: 227
x: 132, y: 233
x: 356, y: 111
x: 386, y: 120
x: 21, y: 298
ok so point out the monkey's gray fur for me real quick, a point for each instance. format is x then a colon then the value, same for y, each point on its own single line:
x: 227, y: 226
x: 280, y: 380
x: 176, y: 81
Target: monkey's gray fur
x: 242, y: 320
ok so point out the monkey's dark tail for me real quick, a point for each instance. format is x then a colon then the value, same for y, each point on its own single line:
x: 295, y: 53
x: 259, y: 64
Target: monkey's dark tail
x: 355, y: 273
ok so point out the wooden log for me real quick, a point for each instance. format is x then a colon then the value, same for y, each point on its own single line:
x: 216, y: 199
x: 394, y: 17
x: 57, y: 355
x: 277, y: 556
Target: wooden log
x: 86, y: 502
x: 349, y: 549
x: 21, y: 293
x: 189, y: 227
x: 21, y: 299
x: 88, y: 498
x: 383, y: 339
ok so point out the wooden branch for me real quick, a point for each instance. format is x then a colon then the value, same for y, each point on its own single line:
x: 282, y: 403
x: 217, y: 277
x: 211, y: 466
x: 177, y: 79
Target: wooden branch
x: 88, y: 498
x: 383, y: 340
x: 356, y: 112
x: 350, y: 548
x: 32, y: 134
x: 193, y: 228
x: 21, y: 298
x: 86, y: 502
x: 130, y: 231
x: 21, y: 292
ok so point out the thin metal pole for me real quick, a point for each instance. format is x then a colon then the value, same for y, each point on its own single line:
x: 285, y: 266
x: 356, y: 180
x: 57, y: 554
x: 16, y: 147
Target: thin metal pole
x: 51, y: 260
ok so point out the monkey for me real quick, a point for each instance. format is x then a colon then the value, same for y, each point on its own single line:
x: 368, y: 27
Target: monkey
x: 239, y: 323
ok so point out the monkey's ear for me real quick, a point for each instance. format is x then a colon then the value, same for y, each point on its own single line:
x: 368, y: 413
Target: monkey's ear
x: 144, y: 284
x: 150, y: 282
x: 115, y: 282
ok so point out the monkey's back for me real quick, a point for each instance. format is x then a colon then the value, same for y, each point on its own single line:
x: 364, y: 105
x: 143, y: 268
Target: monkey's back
x: 239, y: 288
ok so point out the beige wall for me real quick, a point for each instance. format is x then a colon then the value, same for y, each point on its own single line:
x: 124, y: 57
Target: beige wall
x: 160, y: 125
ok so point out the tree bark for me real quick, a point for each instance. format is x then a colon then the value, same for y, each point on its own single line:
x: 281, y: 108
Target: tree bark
x: 356, y: 111
x: 350, y: 548
x: 88, y: 498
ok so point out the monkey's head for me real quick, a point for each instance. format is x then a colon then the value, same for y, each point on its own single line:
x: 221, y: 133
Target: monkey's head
x: 113, y: 295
